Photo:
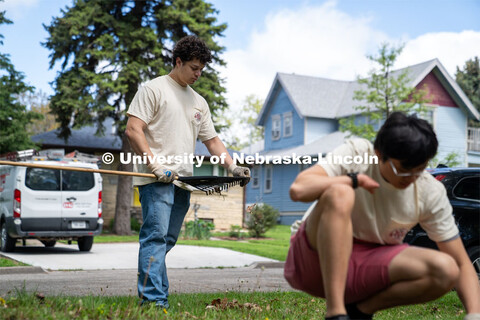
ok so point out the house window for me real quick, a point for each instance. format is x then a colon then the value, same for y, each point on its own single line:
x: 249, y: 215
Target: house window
x: 268, y: 178
x: 287, y: 124
x: 427, y: 116
x: 255, y: 177
x: 276, y: 124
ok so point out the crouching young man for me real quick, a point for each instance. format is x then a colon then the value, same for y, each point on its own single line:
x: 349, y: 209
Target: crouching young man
x: 349, y: 249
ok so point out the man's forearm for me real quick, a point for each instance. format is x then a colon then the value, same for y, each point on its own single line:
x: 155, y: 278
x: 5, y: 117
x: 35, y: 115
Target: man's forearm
x: 469, y: 291
x: 138, y: 142
x: 216, y: 147
x: 310, y: 187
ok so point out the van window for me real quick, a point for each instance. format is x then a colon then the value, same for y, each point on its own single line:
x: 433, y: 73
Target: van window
x: 77, y: 181
x: 42, y: 179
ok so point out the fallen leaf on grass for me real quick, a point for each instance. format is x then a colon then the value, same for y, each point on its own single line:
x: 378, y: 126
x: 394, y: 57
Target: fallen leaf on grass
x: 3, y: 303
x: 223, y: 304
x: 40, y: 296
x: 190, y: 316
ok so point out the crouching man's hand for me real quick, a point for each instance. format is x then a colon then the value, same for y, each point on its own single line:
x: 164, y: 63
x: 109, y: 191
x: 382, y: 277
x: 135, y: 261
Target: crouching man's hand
x: 367, y: 183
x: 163, y: 174
x: 238, y: 171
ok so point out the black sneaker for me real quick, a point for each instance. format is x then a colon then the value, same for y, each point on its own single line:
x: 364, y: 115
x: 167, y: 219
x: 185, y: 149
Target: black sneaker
x: 356, y: 314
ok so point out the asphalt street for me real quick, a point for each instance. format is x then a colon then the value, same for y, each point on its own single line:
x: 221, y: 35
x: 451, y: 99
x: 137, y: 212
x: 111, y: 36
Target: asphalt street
x: 124, y: 282
x: 111, y: 270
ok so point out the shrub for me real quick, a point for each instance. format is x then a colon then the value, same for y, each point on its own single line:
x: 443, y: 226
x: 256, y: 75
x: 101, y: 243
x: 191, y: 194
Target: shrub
x: 135, y: 225
x: 198, y: 229
x: 236, y: 232
x: 261, y: 218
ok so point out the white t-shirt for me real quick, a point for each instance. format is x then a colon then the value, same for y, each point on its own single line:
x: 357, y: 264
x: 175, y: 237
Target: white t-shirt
x: 176, y: 117
x: 389, y: 213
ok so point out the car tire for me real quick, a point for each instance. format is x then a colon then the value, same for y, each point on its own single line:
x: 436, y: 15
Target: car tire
x: 49, y: 243
x: 85, y: 243
x: 7, y: 243
x: 474, y: 255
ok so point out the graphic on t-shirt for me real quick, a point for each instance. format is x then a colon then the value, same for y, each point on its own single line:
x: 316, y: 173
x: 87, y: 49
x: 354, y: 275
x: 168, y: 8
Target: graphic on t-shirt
x: 198, y: 116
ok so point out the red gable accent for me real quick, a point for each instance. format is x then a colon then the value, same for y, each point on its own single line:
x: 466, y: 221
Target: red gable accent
x: 436, y: 92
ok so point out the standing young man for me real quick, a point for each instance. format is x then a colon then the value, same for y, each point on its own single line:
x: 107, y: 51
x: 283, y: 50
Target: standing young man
x: 349, y: 249
x: 166, y: 117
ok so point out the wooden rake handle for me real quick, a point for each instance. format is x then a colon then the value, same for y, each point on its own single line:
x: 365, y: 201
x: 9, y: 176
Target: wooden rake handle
x: 45, y: 166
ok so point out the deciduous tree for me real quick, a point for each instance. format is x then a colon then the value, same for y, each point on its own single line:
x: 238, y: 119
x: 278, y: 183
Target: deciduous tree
x: 382, y: 93
x: 468, y: 78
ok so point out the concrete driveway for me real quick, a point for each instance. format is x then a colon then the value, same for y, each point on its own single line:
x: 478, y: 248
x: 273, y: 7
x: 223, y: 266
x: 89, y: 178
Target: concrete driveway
x: 108, y: 256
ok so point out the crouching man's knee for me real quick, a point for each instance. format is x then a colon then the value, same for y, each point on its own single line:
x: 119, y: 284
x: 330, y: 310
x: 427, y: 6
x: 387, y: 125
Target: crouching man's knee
x: 444, y: 272
x: 338, y: 198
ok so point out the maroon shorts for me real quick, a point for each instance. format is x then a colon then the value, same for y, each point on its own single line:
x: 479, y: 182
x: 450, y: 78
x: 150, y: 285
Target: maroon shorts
x: 367, y: 270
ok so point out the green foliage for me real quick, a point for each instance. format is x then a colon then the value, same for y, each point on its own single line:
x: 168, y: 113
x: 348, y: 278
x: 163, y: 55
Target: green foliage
x: 135, y: 225
x: 108, y: 48
x: 6, y: 262
x: 250, y: 133
x: 451, y: 160
x: 236, y: 232
x: 383, y: 92
x: 38, y: 102
x: 260, y: 219
x: 198, y: 229
x: 14, y: 116
x: 468, y: 79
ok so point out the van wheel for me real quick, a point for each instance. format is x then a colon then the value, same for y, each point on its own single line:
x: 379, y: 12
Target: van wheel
x: 7, y: 243
x: 474, y: 255
x: 85, y: 243
x: 49, y: 243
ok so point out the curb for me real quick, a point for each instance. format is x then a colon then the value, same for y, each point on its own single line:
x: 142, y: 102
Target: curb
x: 268, y: 265
x: 20, y: 270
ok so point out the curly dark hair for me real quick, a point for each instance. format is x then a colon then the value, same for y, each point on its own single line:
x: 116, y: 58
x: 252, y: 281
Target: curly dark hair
x: 189, y: 48
x: 406, y: 138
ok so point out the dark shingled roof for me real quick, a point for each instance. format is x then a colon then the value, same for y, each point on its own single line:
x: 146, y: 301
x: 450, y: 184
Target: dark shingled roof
x: 85, y: 140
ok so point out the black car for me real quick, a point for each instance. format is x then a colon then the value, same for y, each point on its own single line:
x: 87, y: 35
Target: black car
x: 463, y: 190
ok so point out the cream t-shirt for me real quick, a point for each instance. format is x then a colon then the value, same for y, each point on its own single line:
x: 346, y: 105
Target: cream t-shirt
x: 176, y: 117
x: 389, y: 213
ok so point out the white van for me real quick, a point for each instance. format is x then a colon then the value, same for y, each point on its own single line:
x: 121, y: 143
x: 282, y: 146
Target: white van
x: 48, y: 204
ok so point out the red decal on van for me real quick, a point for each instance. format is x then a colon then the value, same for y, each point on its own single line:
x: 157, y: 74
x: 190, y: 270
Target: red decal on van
x: 68, y: 205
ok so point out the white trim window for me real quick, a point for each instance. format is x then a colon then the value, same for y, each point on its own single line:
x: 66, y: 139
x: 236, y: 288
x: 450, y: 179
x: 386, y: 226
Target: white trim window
x: 268, y: 179
x: 287, y: 124
x: 276, y: 126
x: 255, y: 177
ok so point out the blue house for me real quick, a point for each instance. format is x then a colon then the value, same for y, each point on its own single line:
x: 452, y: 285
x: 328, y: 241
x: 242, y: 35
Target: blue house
x: 301, y: 116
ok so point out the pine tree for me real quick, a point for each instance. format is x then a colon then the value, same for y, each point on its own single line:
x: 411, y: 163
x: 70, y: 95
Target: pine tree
x: 14, y: 116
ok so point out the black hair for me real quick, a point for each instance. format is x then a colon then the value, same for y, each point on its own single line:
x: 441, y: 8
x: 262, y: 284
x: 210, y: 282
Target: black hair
x: 189, y: 48
x: 406, y: 138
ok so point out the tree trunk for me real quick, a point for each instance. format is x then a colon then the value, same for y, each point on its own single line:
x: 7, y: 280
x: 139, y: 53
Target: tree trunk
x: 121, y: 225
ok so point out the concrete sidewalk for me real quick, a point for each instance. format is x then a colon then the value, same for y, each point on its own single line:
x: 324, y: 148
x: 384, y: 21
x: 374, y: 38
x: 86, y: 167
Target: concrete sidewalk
x: 108, y: 256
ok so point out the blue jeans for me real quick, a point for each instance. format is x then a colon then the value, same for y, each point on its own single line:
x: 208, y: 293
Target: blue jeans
x: 164, y: 207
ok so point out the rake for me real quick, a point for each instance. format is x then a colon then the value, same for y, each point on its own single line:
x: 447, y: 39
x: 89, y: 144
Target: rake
x: 207, y: 184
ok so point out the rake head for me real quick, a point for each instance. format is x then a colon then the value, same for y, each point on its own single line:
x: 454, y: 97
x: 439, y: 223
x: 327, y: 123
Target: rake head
x: 211, y: 185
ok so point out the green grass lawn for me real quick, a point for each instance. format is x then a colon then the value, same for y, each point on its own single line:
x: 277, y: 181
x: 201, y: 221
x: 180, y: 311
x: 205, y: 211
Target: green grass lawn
x: 274, y: 245
x: 6, y: 262
x: 231, y: 305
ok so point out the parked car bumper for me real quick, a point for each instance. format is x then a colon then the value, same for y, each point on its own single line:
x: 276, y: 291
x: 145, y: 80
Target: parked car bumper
x: 17, y: 231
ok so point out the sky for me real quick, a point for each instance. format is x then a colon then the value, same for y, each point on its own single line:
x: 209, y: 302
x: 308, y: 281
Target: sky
x: 328, y: 39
